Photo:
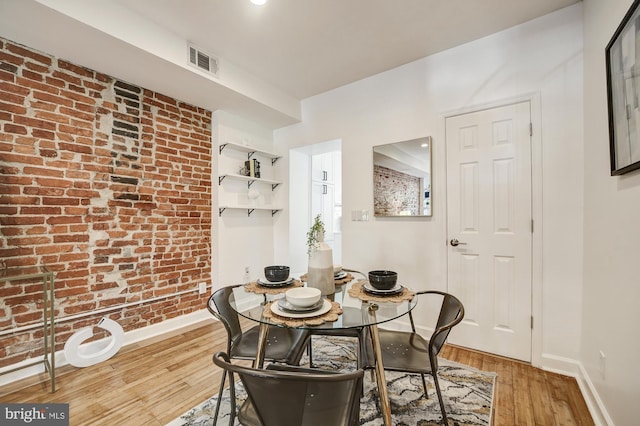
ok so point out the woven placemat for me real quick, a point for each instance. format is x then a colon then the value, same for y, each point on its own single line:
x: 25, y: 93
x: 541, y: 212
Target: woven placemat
x: 330, y: 316
x: 254, y: 287
x: 357, y: 291
x: 341, y: 281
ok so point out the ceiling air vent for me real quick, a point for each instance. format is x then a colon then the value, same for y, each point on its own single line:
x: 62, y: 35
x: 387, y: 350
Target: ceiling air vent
x: 203, y: 61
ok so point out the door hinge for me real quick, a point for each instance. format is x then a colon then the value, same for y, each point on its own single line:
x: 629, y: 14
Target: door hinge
x: 530, y: 129
x: 532, y: 226
x: 532, y: 322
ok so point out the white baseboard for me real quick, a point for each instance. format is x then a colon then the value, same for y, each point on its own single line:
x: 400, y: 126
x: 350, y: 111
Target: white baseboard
x: 573, y: 368
x: 130, y: 337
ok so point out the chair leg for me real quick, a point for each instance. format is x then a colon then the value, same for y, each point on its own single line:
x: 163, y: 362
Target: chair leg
x: 220, y: 392
x: 232, y: 390
x: 310, y: 351
x: 444, y: 413
x: 424, y: 386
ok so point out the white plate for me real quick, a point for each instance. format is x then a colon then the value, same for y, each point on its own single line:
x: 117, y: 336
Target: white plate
x: 397, y: 289
x: 286, y: 306
x: 340, y: 275
x: 267, y: 283
x: 326, y: 307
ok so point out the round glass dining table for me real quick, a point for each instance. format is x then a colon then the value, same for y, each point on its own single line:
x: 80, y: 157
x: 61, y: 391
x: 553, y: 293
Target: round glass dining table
x: 357, y: 312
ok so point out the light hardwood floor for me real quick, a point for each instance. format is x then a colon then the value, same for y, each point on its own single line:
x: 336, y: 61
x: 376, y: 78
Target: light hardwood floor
x: 154, y: 382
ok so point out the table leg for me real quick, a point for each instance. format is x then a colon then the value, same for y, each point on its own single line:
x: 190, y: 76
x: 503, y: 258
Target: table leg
x: 385, y: 405
x: 263, y: 333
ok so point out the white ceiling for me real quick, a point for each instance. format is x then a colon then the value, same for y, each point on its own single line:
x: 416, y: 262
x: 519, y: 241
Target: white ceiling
x: 306, y: 47
x: 272, y: 56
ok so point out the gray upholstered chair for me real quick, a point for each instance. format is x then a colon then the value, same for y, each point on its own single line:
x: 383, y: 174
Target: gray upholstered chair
x: 285, y: 345
x: 407, y: 351
x: 284, y: 395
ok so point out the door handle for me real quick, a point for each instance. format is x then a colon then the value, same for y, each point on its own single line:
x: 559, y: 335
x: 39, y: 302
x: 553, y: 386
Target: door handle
x: 456, y: 243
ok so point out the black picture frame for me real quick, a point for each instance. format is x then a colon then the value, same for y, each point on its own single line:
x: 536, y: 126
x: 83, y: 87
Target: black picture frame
x: 623, y: 93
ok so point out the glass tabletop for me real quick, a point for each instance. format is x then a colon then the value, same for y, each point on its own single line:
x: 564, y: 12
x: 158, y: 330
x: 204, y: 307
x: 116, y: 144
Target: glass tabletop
x: 355, y: 312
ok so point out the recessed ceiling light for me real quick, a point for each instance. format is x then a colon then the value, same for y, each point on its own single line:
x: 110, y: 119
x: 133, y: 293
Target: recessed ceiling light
x: 258, y: 2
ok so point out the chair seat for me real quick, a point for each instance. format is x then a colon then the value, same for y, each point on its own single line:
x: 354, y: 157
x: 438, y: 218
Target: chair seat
x: 401, y: 351
x: 283, y: 345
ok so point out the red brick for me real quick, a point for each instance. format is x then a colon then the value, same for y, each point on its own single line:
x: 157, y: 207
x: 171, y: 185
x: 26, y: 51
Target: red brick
x: 15, y: 252
x: 42, y: 171
x: 52, y: 116
x: 34, y: 190
x: 8, y: 210
x: 11, y: 128
x: 29, y: 53
x: 51, y: 201
x: 35, y: 76
x: 33, y: 122
x: 45, y: 106
x: 36, y: 230
x: 54, y: 82
x: 43, y: 134
x: 56, y: 183
x: 59, y: 248
x: 56, y: 220
x: 40, y: 210
x: 18, y: 200
x: 50, y: 94
x: 77, y: 97
x: 75, y: 148
x: 29, y: 241
x: 84, y: 72
x: 11, y: 59
x: 7, y: 76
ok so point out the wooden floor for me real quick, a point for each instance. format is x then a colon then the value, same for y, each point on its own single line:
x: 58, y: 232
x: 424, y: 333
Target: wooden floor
x: 154, y: 382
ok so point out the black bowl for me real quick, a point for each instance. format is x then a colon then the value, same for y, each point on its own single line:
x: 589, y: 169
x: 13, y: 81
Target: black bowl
x: 383, y: 280
x: 276, y: 273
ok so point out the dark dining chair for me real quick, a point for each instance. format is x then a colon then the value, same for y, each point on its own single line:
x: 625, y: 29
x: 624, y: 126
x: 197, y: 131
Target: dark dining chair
x: 285, y: 345
x: 355, y: 332
x: 283, y: 395
x: 407, y: 351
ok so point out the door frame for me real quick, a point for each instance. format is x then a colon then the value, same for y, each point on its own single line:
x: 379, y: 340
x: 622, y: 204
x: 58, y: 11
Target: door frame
x: 536, y: 206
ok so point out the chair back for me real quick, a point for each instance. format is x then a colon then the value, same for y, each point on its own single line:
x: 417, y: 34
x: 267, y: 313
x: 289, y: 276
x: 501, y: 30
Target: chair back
x: 285, y: 395
x: 451, y: 313
x: 219, y: 307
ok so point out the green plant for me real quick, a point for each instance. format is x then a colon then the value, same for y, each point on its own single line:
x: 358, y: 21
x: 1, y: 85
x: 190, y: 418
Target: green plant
x: 313, y: 235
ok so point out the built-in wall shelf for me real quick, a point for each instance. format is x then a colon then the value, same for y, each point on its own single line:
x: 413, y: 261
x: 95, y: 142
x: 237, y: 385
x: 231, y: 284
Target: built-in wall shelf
x: 249, y: 210
x: 250, y: 180
x: 250, y: 151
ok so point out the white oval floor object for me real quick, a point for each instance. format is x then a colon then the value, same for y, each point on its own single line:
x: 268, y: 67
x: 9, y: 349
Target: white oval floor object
x: 92, y: 353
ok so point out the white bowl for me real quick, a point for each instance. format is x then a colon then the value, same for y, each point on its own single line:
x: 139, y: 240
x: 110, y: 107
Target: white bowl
x: 303, y: 296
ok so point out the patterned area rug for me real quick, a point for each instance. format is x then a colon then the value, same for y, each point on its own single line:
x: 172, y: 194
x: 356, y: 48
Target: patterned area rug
x: 467, y: 393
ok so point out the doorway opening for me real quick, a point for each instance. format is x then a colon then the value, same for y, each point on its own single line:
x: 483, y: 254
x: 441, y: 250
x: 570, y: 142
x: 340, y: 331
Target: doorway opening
x: 315, y: 188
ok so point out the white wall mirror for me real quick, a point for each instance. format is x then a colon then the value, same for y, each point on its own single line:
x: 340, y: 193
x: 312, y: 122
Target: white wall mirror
x: 402, y: 178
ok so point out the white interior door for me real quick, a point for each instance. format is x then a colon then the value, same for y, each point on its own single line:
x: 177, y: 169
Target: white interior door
x: 489, y: 221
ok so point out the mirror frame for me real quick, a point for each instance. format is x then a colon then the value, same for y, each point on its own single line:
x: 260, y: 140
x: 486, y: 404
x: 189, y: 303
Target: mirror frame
x: 403, y: 160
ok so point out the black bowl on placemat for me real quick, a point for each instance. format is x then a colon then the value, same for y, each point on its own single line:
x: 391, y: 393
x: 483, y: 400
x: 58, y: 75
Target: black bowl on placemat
x: 276, y: 273
x: 383, y: 280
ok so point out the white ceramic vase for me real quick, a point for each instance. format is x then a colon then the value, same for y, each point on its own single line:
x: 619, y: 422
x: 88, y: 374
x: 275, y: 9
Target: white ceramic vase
x: 320, y: 272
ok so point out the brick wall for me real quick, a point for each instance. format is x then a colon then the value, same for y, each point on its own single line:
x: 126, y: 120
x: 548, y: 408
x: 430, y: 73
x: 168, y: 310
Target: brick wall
x: 395, y: 192
x: 107, y: 183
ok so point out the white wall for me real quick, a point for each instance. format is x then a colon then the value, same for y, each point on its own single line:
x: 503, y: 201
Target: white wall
x: 543, y: 56
x: 241, y: 240
x: 611, y: 236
